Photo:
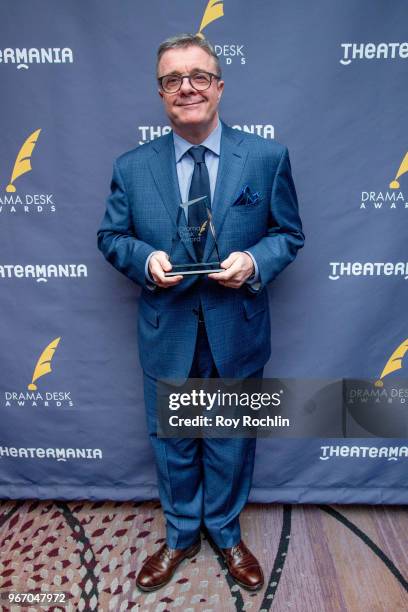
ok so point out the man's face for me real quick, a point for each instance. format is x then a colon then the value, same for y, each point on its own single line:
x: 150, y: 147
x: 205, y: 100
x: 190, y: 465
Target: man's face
x: 189, y: 107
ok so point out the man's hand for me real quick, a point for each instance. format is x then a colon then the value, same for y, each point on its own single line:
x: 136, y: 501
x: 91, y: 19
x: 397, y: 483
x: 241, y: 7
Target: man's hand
x: 158, y: 265
x: 238, y: 268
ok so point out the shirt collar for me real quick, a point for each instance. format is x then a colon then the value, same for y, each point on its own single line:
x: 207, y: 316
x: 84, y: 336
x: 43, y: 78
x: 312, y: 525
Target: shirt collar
x: 212, y: 142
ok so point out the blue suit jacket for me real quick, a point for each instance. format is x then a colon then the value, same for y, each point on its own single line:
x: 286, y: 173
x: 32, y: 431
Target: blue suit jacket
x: 141, y: 217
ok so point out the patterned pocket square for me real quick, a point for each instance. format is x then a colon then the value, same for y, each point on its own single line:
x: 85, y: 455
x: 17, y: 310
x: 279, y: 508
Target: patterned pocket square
x: 247, y: 197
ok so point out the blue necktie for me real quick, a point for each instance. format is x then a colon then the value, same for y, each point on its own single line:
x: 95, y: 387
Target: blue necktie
x: 200, y: 186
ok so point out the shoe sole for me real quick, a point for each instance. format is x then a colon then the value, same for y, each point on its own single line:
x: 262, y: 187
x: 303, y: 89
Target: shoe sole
x: 246, y: 586
x: 190, y: 555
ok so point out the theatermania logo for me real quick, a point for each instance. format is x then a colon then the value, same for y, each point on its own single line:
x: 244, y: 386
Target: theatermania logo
x: 36, y: 393
x: 234, y: 53
x: 24, y: 57
x: 15, y: 198
x: 373, y: 51
x: 150, y: 132
x: 43, y: 272
x: 388, y: 199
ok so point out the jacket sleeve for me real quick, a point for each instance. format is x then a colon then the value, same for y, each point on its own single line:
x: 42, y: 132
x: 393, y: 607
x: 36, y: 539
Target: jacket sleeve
x: 117, y: 236
x: 284, y: 236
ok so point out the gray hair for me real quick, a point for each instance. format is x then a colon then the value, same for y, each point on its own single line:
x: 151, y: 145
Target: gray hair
x: 182, y: 41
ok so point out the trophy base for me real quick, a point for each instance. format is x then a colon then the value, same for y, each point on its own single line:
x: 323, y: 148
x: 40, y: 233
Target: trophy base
x: 197, y: 268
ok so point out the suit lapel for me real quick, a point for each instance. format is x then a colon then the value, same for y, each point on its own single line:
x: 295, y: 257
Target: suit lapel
x: 163, y: 168
x: 231, y: 165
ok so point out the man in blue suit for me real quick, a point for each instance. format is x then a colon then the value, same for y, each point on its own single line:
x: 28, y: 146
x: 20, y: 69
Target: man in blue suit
x: 216, y: 325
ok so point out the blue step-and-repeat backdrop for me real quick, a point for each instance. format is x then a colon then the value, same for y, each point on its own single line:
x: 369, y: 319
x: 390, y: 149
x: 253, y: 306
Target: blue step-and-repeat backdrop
x: 327, y: 79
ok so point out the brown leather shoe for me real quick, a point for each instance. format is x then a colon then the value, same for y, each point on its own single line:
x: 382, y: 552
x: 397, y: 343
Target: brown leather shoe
x: 243, y: 566
x: 159, y: 568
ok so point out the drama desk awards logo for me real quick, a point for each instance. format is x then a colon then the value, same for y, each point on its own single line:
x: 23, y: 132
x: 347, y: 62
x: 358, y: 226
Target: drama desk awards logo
x: 394, y: 363
x: 36, y: 394
x: 14, y: 199
x: 230, y: 53
x: 380, y: 408
x: 391, y: 198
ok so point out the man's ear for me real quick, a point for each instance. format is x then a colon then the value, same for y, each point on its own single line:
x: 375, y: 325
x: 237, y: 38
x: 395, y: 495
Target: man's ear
x: 159, y: 91
x: 220, y: 88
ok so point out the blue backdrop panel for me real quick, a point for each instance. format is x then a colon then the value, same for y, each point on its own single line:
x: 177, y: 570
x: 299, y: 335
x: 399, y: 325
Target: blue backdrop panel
x: 78, y: 89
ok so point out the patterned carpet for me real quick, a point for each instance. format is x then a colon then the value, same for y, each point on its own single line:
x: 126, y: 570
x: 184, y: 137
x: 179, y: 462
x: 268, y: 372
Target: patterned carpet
x: 320, y: 558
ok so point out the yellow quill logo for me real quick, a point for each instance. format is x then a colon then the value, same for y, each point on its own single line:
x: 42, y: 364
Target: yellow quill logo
x: 401, y: 170
x: 214, y: 10
x: 394, y: 363
x: 202, y: 228
x: 23, y: 160
x: 43, y: 365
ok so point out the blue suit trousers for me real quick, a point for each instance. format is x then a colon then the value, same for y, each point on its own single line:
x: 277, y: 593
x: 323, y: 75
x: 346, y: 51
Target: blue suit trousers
x: 200, y: 480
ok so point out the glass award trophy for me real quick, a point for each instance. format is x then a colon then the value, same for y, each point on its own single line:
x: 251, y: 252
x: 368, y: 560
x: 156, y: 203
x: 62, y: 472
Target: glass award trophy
x: 194, y: 222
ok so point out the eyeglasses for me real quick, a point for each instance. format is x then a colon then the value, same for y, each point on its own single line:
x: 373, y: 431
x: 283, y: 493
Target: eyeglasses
x: 200, y: 81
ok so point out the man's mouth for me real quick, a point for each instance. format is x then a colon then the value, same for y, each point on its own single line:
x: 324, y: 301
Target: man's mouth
x: 191, y: 103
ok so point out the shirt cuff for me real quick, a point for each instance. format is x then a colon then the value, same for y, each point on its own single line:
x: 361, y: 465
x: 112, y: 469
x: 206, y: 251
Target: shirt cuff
x: 150, y: 284
x: 253, y: 281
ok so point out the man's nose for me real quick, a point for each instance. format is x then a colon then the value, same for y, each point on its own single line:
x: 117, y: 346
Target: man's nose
x: 186, y: 88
